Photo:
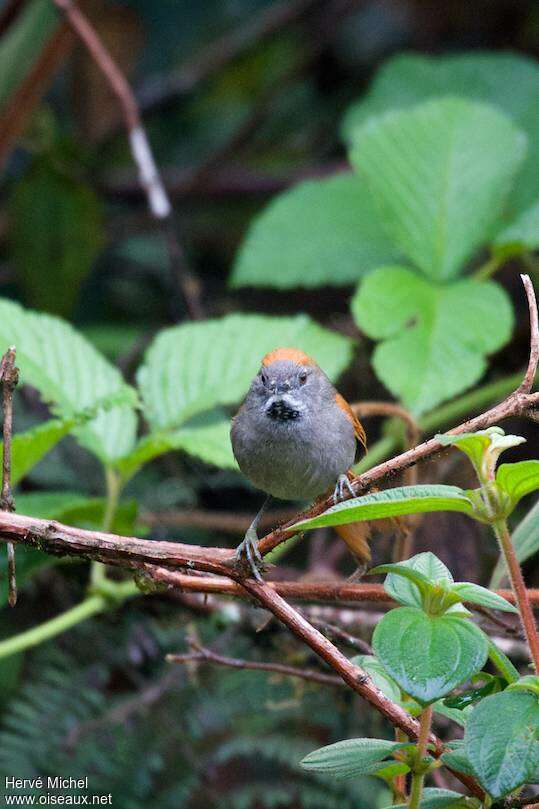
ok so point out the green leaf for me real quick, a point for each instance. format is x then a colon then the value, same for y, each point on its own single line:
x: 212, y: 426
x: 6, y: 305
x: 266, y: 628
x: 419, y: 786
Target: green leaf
x: 191, y: 368
x: 530, y: 682
x: 428, y: 656
x: 509, y: 81
x: 391, y: 503
x: 319, y: 232
x: 75, y: 508
x: 350, y: 757
x: 440, y: 173
x: 379, y: 676
x: 456, y: 757
x: 56, y: 234
x: 502, y: 741
x: 29, y: 447
x: 442, y: 799
x: 71, y: 375
x: 475, y: 594
x: 22, y: 43
x: 519, y: 236
x: 421, y: 570
x: 525, y: 542
x: 517, y: 480
x: 207, y: 437
x: 483, y: 447
x: 428, y: 353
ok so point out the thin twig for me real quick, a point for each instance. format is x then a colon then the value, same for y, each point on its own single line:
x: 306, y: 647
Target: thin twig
x: 149, y: 177
x: 203, y: 655
x: 336, y: 633
x: 9, y: 376
x: 529, y: 377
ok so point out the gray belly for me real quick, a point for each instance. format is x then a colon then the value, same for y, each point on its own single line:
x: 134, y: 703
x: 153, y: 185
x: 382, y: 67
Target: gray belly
x: 295, y: 459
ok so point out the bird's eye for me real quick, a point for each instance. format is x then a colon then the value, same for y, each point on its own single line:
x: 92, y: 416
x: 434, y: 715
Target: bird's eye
x: 302, y: 377
x: 263, y: 378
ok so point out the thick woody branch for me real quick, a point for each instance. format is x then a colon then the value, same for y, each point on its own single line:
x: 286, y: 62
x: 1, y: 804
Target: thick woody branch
x: 9, y: 377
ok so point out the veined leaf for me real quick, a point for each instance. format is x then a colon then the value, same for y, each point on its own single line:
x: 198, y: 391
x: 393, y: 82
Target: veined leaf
x: 518, y: 479
x: 502, y: 741
x: 508, y: 81
x: 378, y: 675
x: 192, y: 368
x: 392, y: 503
x: 319, y: 232
x: 426, y: 354
x: 29, y: 447
x: 71, y: 375
x: 519, y: 236
x: 428, y: 656
x: 350, y: 757
x: 475, y: 594
x: 442, y: 799
x: 440, y: 173
x: 483, y: 447
x: 207, y: 437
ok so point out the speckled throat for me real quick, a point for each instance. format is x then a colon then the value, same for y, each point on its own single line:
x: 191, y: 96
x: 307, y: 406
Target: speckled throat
x: 282, y: 411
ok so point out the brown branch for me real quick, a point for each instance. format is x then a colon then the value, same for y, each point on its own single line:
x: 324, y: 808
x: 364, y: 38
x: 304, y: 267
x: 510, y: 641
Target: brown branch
x: 527, y: 383
x: 9, y: 376
x: 149, y: 177
x: 297, y: 590
x: 518, y: 403
x: 203, y: 655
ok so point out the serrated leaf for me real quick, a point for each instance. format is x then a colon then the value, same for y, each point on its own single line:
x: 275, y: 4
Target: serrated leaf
x: 475, y: 594
x: 428, y: 656
x: 509, y: 81
x: 319, y: 232
x: 350, y: 757
x: 427, y: 353
x: 71, y: 375
x: 442, y: 799
x: 427, y: 566
x: 502, y: 741
x: 192, y: 368
x: 525, y: 542
x: 31, y: 446
x: 392, y: 503
x: 440, y: 173
x: 456, y: 758
x: 207, y: 437
x: 56, y: 234
x: 517, y: 480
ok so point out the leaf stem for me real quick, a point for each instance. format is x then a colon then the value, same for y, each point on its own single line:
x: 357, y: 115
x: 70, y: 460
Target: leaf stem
x: 418, y: 777
x: 98, y: 571
x: 519, y: 588
x: 488, y: 269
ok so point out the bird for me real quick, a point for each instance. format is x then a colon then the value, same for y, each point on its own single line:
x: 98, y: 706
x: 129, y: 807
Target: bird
x: 295, y: 438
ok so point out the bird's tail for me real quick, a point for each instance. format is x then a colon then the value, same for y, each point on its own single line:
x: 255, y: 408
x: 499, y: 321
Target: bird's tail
x: 356, y: 535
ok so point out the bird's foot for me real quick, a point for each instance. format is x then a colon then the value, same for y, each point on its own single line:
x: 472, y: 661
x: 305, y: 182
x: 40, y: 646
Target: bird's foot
x: 343, y: 485
x: 248, y: 555
x: 358, y: 573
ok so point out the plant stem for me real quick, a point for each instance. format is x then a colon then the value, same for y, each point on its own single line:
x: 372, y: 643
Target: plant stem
x: 98, y: 571
x: 519, y: 588
x: 418, y: 777
x: 38, y: 634
x: 488, y: 269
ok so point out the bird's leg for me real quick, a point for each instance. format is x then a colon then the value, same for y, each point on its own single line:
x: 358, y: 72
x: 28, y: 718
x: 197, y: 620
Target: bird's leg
x: 342, y: 485
x: 247, y: 550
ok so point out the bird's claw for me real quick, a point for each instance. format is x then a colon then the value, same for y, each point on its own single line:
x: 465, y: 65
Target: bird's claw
x: 247, y: 554
x: 339, y: 492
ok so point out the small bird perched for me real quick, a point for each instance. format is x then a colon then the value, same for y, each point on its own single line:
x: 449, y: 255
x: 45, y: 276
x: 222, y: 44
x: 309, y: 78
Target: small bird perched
x: 294, y: 437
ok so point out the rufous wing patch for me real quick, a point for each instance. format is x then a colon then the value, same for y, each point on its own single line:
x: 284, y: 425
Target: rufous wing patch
x: 290, y: 354
x: 359, y: 432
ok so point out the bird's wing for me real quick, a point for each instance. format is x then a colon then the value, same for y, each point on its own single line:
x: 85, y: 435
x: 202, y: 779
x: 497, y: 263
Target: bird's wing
x: 358, y: 427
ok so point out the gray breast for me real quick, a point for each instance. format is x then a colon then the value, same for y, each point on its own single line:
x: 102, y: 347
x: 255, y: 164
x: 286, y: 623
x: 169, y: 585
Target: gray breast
x: 294, y: 459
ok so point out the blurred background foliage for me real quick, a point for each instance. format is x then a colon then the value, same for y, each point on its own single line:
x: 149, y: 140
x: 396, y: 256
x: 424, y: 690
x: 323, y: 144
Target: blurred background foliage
x: 242, y: 99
